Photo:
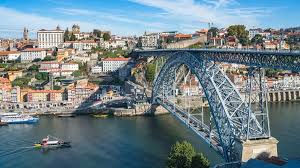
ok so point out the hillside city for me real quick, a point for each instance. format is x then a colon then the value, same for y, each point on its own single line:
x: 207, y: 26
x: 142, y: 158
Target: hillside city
x: 69, y: 68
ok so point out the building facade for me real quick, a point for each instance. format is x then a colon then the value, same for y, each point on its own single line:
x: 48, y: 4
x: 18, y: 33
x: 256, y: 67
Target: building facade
x: 44, y: 95
x: 50, y: 38
x: 113, y: 64
x: 149, y: 41
x: 31, y: 54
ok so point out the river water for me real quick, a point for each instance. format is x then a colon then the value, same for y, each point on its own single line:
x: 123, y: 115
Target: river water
x: 136, y: 142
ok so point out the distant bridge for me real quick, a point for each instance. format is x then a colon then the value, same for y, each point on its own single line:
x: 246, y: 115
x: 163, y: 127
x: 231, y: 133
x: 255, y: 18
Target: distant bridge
x: 242, y: 129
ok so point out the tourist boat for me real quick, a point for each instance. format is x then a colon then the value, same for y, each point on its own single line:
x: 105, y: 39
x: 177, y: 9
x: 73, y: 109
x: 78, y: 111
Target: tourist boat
x: 15, y: 118
x: 57, y: 143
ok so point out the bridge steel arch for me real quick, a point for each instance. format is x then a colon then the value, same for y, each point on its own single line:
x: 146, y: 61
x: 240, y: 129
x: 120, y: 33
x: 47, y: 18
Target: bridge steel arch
x: 231, y: 114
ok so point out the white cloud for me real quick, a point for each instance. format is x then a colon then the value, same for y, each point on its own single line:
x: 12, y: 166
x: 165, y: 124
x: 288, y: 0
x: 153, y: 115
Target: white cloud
x: 15, y: 20
x: 108, y: 16
x: 220, y: 12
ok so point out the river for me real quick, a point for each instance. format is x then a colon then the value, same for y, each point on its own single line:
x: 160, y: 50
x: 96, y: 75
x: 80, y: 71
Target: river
x: 136, y: 142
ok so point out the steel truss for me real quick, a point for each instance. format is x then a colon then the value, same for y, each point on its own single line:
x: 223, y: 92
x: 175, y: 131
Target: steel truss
x: 256, y: 97
x: 230, y: 113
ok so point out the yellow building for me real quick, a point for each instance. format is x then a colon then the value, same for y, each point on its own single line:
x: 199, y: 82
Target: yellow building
x: 61, y: 55
x: 12, y: 75
x: 44, y: 95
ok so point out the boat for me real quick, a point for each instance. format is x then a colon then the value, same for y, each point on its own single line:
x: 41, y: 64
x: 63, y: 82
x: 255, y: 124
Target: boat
x: 66, y: 115
x: 100, y: 115
x: 56, y: 143
x: 15, y: 118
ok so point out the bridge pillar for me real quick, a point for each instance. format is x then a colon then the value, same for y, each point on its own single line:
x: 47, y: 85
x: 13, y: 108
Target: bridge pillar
x: 155, y: 109
x: 259, y: 148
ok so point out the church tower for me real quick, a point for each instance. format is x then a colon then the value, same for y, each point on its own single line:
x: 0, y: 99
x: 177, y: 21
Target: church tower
x: 25, y: 34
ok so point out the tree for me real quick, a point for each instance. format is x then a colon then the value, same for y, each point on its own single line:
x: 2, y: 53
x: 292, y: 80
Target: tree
x: 240, y: 32
x: 48, y: 58
x: 34, y: 68
x: 72, y: 37
x: 21, y: 82
x: 56, y: 87
x: 76, y: 73
x: 212, y: 32
x: 150, y: 72
x: 67, y: 35
x: 257, y: 39
x: 42, y: 76
x: 97, y: 33
x: 200, y: 161
x: 83, y: 68
x: 36, y: 60
x: 181, y: 155
x: 106, y: 36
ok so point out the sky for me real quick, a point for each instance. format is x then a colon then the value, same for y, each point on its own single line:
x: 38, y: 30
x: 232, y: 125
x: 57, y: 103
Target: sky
x: 134, y: 17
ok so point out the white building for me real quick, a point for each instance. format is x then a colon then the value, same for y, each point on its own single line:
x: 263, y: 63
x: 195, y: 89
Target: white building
x: 84, y: 45
x: 149, y: 41
x: 49, y: 66
x: 113, y: 64
x: 58, y: 69
x: 9, y: 55
x: 96, y: 69
x: 31, y: 54
x: 50, y: 38
x: 253, y: 32
x: 81, y: 58
x: 69, y: 67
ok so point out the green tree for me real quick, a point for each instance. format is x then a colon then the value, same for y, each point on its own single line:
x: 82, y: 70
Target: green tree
x: 240, y: 32
x: 106, y: 36
x: 42, y: 76
x: 76, y: 73
x: 97, y: 33
x: 213, y: 32
x: 36, y: 60
x: 48, y: 58
x: 150, y: 72
x: 67, y: 35
x: 34, y: 68
x: 181, y: 155
x: 83, y: 68
x: 257, y: 39
x: 56, y: 87
x: 200, y: 161
x: 21, y: 82
x: 72, y: 37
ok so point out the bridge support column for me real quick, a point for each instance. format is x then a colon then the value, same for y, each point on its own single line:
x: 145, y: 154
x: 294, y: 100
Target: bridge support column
x: 260, y: 148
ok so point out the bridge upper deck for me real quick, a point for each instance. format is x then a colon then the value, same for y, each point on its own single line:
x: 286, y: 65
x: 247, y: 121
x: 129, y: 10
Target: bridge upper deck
x: 285, y: 60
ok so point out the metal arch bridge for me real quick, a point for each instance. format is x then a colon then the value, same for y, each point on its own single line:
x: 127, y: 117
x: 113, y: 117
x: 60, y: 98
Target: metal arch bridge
x: 236, y: 119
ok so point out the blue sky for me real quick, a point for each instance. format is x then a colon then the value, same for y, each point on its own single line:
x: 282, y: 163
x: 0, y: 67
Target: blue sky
x: 133, y: 17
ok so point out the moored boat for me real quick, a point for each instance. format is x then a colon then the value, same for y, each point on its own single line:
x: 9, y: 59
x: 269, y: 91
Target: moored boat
x: 15, y: 118
x: 66, y: 115
x: 100, y: 115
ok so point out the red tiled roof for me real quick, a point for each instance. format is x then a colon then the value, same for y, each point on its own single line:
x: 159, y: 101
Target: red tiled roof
x: 4, y: 80
x: 116, y: 59
x: 49, y: 62
x: 33, y: 49
x: 183, y: 36
x: 2, y: 53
